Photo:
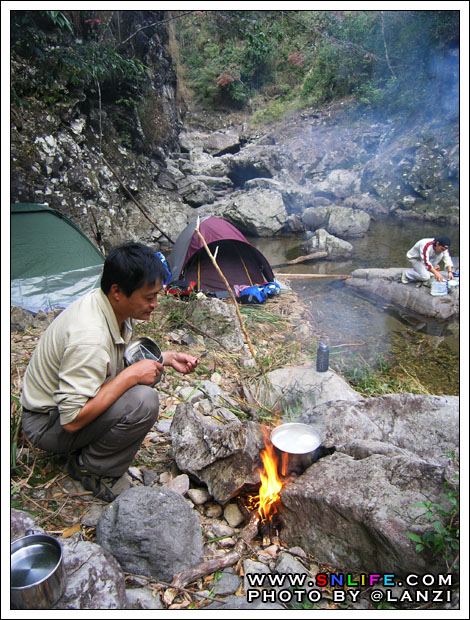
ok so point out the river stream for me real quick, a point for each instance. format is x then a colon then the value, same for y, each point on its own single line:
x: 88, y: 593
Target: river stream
x: 364, y: 334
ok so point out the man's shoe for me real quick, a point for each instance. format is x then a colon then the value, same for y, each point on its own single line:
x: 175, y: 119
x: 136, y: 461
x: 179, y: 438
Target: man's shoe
x: 404, y: 279
x: 106, y: 488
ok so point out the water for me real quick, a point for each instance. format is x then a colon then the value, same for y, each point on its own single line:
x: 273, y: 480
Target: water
x: 362, y: 333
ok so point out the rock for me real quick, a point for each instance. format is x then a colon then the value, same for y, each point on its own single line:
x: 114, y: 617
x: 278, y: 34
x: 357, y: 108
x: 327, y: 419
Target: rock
x: 324, y: 242
x: 94, y: 579
x: 252, y: 162
x: 339, y: 221
x: 338, y: 184
x: 199, y: 496
x: 216, y: 395
x: 189, y: 394
x: 149, y: 476
x: 191, y: 139
x: 365, y: 202
x: 142, y: 598
x: 20, y: 523
x: 203, y: 164
x: 228, y: 583
x: 260, y: 213
x: 163, y: 425
x: 287, y: 564
x: 194, y: 192
x: 151, y: 531
x: 91, y: 517
x: 251, y: 567
x: 213, y: 510
x: 219, y: 143
x: 233, y: 515
x: 353, y: 508
x: 386, y: 284
x: 218, y: 320
x: 180, y: 484
x: 297, y: 388
x: 135, y: 473
x: 223, y: 458
x: 20, y: 319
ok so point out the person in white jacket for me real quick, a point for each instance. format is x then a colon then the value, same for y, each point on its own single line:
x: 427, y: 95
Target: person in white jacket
x: 425, y: 257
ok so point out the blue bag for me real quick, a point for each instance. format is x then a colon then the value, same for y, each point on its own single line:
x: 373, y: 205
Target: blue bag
x: 167, y: 269
x: 271, y: 289
x: 252, y: 295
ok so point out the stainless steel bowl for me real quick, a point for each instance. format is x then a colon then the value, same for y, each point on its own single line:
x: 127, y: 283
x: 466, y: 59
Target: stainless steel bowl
x: 37, y: 572
x: 141, y: 349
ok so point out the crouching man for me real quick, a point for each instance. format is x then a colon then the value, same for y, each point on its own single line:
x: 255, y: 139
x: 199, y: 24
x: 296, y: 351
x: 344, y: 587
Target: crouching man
x: 78, y: 398
x: 425, y: 257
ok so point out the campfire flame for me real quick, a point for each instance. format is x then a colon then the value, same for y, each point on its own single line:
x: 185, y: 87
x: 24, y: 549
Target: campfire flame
x: 271, y: 484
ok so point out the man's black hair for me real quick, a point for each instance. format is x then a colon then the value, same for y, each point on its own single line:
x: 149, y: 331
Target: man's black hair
x: 131, y: 266
x: 442, y: 241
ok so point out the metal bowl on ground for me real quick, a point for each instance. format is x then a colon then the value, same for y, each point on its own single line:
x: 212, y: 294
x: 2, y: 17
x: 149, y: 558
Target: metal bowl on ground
x: 300, y: 442
x: 141, y: 349
x: 37, y: 572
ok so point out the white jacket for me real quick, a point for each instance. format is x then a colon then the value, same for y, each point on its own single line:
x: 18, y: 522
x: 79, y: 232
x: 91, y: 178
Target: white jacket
x: 424, y: 251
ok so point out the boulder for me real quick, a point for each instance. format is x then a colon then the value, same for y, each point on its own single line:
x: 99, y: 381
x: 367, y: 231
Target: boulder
x: 386, y: 284
x: 365, y: 202
x: 191, y: 139
x: 224, y: 457
x: 194, y: 192
x: 94, y: 578
x: 151, y: 531
x: 260, y: 213
x: 323, y: 241
x: 201, y: 163
x: 252, y: 162
x: 338, y: 221
x: 293, y: 389
x: 353, y: 508
x: 222, y: 142
x: 338, y: 184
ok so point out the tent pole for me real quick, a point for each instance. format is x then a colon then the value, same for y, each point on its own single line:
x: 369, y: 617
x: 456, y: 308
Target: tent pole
x: 227, y: 286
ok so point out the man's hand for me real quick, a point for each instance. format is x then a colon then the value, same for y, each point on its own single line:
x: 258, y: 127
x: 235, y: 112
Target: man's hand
x: 450, y: 275
x: 145, y: 371
x: 437, y: 275
x: 182, y: 362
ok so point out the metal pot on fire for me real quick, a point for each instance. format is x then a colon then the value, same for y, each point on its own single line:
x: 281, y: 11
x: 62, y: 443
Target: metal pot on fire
x: 299, y: 445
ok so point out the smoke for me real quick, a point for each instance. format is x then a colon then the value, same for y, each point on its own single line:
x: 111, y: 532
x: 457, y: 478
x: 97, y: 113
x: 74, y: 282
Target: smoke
x: 445, y: 73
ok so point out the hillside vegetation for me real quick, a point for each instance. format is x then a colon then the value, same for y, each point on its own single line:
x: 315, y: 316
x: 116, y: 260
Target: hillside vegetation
x: 388, y: 61
x: 263, y: 61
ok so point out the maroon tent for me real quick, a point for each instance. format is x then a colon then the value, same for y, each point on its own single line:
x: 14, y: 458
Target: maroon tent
x: 240, y: 262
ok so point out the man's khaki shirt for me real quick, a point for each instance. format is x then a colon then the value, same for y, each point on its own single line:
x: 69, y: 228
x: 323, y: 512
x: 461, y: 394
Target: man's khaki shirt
x: 80, y: 351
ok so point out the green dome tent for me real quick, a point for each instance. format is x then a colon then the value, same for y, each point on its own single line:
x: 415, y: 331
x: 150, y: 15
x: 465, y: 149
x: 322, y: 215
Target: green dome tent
x: 52, y: 261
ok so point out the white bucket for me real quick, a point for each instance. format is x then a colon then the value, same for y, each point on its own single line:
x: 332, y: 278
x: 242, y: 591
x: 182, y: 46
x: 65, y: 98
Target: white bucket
x: 438, y: 288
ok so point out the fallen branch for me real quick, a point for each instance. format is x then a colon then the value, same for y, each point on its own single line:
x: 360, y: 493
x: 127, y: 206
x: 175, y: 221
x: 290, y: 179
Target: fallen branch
x: 313, y: 275
x: 302, y: 259
x: 185, y: 577
x: 227, y: 286
x: 135, y: 201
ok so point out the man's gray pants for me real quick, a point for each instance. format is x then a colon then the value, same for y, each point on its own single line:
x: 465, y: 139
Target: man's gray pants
x: 418, y: 272
x: 109, y: 443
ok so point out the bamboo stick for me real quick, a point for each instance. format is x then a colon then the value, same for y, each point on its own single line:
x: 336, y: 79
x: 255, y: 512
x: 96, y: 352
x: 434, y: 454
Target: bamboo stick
x: 227, y: 286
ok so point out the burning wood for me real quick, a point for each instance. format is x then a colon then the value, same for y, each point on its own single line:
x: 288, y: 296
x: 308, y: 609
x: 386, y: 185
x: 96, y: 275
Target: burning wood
x: 271, y: 484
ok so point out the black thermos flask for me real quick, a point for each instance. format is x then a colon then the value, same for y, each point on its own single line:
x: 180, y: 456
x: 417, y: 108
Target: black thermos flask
x: 323, y: 356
